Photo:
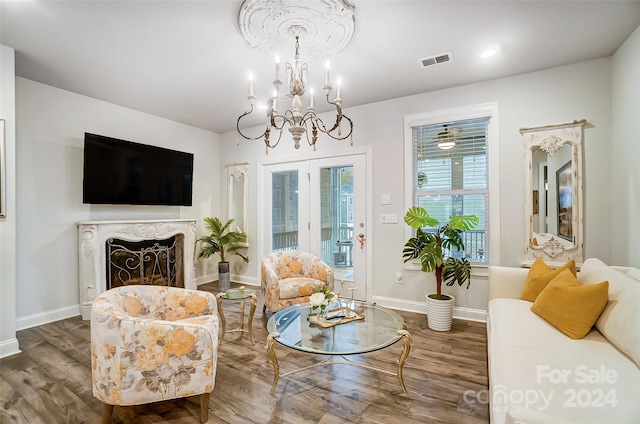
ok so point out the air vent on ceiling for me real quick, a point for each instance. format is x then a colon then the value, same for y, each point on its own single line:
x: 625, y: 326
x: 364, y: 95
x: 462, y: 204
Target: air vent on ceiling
x: 436, y: 59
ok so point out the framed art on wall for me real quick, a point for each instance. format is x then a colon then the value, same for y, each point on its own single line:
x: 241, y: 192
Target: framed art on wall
x: 565, y: 201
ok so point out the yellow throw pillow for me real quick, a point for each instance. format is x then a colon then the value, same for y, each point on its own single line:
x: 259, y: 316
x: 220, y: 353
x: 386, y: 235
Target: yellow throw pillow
x: 539, y: 276
x: 570, y: 307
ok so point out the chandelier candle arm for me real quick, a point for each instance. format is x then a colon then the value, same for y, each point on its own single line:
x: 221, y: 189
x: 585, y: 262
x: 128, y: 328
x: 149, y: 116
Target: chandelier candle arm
x: 265, y: 133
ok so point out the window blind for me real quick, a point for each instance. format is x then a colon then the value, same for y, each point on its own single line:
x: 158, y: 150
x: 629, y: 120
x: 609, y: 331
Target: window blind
x: 450, y: 176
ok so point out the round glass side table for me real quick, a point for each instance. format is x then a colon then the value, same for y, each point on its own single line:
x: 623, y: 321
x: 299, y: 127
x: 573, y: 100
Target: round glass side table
x: 241, y: 294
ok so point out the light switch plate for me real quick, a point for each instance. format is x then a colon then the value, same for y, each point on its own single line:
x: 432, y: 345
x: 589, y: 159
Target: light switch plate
x: 385, y: 199
x: 389, y: 218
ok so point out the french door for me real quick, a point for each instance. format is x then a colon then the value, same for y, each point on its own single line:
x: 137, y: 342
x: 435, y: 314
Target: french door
x: 319, y: 206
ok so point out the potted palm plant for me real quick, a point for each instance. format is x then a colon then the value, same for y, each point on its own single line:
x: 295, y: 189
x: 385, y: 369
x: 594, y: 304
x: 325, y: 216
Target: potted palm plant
x: 435, y: 248
x: 224, y: 241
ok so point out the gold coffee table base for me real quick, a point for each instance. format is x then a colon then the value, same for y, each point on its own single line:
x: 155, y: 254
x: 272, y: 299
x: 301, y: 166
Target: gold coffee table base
x: 223, y: 324
x: 407, y: 341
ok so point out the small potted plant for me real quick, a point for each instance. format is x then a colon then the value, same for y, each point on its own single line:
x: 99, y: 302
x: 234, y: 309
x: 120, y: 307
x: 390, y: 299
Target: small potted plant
x: 434, y: 248
x: 224, y: 241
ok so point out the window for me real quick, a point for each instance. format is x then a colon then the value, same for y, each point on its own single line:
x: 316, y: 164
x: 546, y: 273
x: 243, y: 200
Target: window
x: 449, y: 172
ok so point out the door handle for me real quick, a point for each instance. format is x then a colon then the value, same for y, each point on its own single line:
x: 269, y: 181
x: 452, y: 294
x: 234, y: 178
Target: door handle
x: 362, y: 239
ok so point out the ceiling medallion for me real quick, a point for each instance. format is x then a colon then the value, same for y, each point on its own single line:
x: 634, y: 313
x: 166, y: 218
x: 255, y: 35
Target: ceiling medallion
x: 324, y: 26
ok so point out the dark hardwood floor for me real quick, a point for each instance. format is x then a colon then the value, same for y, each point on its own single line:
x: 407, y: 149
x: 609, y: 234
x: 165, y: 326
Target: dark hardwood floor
x: 50, y: 381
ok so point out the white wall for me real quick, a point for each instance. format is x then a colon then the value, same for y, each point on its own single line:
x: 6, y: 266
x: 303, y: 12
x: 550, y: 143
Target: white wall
x: 51, y: 124
x: 8, y: 341
x: 625, y: 145
x: 547, y: 97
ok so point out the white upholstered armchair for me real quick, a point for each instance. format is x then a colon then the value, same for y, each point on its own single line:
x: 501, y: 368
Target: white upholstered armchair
x: 153, y: 343
x: 288, y: 278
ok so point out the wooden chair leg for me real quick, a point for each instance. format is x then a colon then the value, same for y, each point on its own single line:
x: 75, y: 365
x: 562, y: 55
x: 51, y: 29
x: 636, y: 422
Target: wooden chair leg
x: 204, y: 407
x: 106, y: 416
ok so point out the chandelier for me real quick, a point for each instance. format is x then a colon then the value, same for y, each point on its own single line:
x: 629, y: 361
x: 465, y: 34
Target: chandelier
x: 299, y: 121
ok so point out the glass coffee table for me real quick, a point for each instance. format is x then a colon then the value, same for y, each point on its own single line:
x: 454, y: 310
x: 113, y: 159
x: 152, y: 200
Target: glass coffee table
x: 380, y: 329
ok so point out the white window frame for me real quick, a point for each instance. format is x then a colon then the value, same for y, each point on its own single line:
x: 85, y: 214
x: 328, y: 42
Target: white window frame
x: 489, y: 110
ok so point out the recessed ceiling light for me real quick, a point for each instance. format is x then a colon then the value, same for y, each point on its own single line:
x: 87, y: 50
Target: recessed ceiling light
x: 488, y: 52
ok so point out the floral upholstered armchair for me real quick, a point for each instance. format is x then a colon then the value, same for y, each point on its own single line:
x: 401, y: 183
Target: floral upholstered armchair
x: 288, y: 278
x: 153, y: 343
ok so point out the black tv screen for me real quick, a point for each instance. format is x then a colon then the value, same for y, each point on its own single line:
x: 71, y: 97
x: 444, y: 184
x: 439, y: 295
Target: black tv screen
x: 121, y: 172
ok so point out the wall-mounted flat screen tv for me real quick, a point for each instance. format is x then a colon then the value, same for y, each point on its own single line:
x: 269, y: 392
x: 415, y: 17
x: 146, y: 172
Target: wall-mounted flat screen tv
x: 121, y: 172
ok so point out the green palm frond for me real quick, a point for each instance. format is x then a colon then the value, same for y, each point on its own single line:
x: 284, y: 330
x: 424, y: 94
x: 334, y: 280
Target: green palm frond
x: 431, y: 257
x: 221, y: 240
x: 463, y: 222
x: 417, y: 217
x: 457, y: 271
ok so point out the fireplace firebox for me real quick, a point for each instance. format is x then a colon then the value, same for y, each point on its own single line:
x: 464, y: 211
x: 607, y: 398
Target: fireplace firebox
x: 148, y: 262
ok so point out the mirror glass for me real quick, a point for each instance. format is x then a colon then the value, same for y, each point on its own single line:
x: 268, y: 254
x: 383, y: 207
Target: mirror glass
x: 553, y: 193
x: 237, y: 195
x: 552, y: 196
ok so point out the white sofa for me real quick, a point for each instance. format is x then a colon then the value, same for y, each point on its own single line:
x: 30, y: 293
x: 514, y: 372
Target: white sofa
x: 537, y: 374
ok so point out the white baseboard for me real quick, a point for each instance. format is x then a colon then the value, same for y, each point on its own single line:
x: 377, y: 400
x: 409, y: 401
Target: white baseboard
x: 246, y: 280
x: 47, y: 317
x: 401, y: 305
x: 240, y: 279
x: 9, y: 347
x: 467, y: 314
x: 203, y: 279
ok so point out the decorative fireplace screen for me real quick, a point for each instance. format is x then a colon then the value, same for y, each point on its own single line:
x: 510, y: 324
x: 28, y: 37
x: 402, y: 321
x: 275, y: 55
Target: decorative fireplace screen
x: 148, y: 262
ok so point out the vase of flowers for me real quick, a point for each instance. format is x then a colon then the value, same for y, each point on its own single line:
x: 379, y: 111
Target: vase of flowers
x: 321, y: 298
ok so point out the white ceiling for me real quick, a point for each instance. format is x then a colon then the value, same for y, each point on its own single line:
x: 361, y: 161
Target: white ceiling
x: 187, y: 61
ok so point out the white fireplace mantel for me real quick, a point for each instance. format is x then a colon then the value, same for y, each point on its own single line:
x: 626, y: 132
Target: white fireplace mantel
x: 92, y: 237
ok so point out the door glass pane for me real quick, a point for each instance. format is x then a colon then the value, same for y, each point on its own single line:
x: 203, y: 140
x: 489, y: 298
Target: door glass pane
x: 336, y: 219
x: 284, y: 213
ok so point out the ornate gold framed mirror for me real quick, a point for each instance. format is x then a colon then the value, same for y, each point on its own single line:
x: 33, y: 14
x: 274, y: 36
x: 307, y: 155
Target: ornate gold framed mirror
x: 553, y: 193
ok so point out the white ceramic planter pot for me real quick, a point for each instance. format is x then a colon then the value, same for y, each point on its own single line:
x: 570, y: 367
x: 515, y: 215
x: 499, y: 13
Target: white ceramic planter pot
x: 440, y: 312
